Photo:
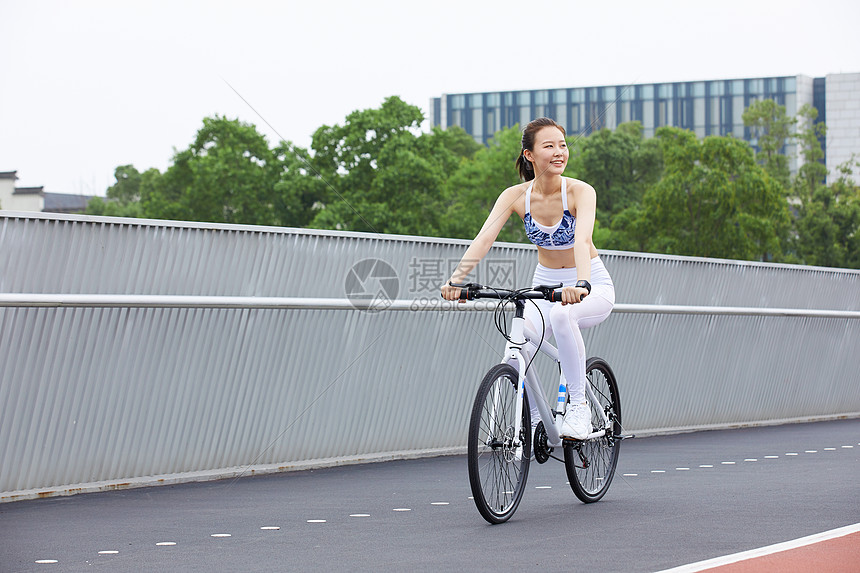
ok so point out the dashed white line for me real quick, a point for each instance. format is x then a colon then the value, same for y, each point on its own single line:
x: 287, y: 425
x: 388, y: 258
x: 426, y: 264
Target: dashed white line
x: 316, y: 521
x: 401, y: 509
x: 44, y: 561
x: 683, y: 469
x: 811, y: 452
x: 359, y: 515
x: 791, y: 453
x: 270, y: 528
x: 630, y: 475
x: 543, y: 487
x: 706, y: 466
x: 439, y: 503
x: 108, y: 552
x: 166, y: 543
x: 727, y: 463
x: 221, y: 535
x: 751, y: 460
x: 658, y: 471
x: 847, y: 447
x: 771, y: 457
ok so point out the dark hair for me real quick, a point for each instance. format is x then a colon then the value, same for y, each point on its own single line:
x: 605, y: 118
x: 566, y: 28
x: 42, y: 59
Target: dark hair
x: 524, y: 166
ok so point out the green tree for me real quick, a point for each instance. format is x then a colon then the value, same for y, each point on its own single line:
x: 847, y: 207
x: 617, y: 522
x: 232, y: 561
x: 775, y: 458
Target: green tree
x: 713, y: 201
x: 474, y: 187
x: 123, y: 197
x: 383, y: 175
x: 620, y: 165
x: 346, y: 158
x: 828, y: 223
x: 812, y: 172
x: 772, y: 128
x: 227, y: 175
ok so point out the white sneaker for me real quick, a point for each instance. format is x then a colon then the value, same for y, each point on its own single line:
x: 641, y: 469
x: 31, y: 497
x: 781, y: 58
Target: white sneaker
x: 577, y: 421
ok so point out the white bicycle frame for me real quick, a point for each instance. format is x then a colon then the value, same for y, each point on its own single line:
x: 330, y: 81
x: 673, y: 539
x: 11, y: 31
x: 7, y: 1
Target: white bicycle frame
x: 514, y: 353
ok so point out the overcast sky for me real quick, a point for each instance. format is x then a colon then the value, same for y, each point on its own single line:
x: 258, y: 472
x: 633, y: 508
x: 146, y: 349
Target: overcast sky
x: 86, y: 86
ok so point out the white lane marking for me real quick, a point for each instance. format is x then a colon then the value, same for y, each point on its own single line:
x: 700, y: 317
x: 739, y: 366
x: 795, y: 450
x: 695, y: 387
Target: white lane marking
x: 316, y: 521
x: 791, y: 453
x: 683, y: 469
x: 706, y: 466
x: 543, y: 487
x: 771, y: 457
x: 848, y: 447
x: 401, y: 509
x: 829, y: 449
x: 44, y: 561
x: 221, y: 535
x: 727, y: 463
x: 166, y: 543
x: 762, y: 551
x: 108, y: 552
x: 270, y: 528
x: 630, y: 475
x: 751, y: 460
x: 359, y: 515
x: 658, y: 471
x: 439, y: 503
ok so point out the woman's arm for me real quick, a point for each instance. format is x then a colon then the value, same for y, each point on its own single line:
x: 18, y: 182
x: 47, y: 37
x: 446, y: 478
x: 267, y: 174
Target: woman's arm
x: 585, y: 200
x: 499, y: 215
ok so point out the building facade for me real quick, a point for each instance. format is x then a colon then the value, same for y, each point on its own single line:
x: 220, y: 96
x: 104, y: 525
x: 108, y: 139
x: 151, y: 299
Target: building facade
x: 712, y: 107
x: 36, y: 199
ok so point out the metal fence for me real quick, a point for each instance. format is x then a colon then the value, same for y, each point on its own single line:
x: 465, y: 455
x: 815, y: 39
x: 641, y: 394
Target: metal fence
x: 139, y: 352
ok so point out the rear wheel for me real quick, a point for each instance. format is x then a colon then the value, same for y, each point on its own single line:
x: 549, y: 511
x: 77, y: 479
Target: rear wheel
x: 498, y: 463
x: 590, y: 464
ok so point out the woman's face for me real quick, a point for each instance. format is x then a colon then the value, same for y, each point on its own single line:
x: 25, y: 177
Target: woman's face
x: 550, y: 153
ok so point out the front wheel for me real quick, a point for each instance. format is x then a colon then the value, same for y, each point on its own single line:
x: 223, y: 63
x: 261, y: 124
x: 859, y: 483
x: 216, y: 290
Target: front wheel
x: 590, y: 464
x: 498, y: 459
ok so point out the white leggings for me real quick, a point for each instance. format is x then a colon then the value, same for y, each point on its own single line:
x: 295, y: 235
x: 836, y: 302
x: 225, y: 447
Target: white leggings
x: 567, y: 321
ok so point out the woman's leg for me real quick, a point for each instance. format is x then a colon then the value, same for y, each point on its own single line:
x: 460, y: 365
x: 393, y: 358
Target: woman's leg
x: 567, y: 322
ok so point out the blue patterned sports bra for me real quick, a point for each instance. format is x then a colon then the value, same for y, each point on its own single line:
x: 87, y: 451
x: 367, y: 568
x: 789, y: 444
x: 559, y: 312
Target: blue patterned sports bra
x: 559, y: 236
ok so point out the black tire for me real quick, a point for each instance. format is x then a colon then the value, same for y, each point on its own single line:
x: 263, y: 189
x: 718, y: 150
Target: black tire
x: 497, y: 478
x: 590, y: 464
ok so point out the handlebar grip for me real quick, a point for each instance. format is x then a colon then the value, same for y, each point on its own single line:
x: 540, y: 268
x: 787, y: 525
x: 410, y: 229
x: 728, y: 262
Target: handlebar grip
x: 555, y: 296
x: 465, y: 294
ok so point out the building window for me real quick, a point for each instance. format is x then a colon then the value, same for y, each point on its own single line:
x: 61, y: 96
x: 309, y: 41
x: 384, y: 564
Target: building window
x: 561, y: 116
x: 478, y: 124
x: 575, y: 118
x: 524, y: 98
x: 559, y: 96
x: 577, y: 96
x: 476, y: 100
x: 737, y: 87
x: 458, y: 102
x: 647, y: 92
x: 541, y: 97
x: 494, y: 100
x: 525, y: 115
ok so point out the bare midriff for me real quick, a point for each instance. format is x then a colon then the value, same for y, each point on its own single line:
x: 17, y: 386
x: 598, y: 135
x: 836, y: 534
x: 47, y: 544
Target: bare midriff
x: 558, y: 259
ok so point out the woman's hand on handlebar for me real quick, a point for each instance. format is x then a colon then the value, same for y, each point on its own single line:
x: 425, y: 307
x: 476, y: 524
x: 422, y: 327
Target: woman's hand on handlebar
x: 573, y: 295
x: 451, y: 292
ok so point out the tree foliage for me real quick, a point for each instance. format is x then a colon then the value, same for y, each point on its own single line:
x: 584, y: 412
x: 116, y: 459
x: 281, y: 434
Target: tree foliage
x: 378, y: 172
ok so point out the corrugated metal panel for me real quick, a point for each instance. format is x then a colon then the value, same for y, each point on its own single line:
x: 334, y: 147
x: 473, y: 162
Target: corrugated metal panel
x: 114, y: 393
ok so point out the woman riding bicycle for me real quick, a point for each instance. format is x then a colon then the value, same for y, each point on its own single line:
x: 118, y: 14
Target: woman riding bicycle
x: 566, y: 254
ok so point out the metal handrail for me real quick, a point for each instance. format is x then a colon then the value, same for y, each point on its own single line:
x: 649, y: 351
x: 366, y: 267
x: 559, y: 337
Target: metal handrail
x: 257, y: 302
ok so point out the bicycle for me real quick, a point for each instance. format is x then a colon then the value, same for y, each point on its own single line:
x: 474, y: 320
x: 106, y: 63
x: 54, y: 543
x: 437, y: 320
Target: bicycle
x: 500, y: 436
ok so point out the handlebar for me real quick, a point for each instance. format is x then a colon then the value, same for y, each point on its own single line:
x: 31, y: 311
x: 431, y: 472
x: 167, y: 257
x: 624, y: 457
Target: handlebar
x: 471, y: 291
